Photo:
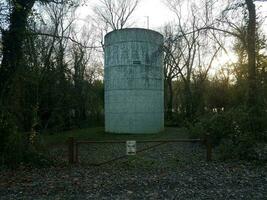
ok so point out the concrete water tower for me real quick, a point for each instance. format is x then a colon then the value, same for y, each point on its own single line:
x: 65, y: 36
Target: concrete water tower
x: 133, y: 79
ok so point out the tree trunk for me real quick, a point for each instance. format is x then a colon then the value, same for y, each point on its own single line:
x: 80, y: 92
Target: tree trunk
x: 12, y: 70
x: 170, y: 99
x: 188, y: 101
x: 252, y: 88
x: 13, y: 42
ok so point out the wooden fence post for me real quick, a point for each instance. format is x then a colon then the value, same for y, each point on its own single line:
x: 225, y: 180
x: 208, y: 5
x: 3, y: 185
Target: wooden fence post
x: 76, y: 156
x: 71, y: 150
x: 208, y: 147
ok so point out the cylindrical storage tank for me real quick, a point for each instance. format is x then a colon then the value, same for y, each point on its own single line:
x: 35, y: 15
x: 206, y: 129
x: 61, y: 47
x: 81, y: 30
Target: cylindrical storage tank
x: 133, y: 79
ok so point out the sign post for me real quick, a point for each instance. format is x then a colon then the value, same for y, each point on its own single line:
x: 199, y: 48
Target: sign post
x: 131, y: 147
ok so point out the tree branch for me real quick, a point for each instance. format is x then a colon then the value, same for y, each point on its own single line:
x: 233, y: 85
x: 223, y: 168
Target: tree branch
x: 68, y: 38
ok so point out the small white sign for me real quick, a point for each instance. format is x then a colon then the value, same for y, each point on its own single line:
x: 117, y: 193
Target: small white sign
x: 130, y: 147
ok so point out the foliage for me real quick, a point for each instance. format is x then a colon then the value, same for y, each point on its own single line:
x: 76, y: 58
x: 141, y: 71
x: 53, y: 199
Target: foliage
x: 7, y: 128
x: 16, y: 148
x: 51, y: 74
x: 48, y: 80
x: 234, y: 132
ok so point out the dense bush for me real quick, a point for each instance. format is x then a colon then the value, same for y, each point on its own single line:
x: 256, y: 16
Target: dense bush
x: 235, y: 133
x: 18, y: 147
x: 7, y: 128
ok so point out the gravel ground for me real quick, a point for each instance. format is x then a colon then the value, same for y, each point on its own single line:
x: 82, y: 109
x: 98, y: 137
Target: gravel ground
x: 171, y: 171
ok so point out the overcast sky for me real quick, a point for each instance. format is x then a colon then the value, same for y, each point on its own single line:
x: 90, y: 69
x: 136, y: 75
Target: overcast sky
x: 158, y: 13
x: 156, y: 10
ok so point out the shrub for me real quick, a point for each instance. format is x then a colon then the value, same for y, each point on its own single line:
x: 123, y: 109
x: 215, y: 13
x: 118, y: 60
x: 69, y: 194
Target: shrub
x: 18, y: 147
x: 197, y: 130
x: 235, y: 132
x: 7, y: 128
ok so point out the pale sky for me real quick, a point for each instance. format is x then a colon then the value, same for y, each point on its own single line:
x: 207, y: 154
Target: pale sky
x: 157, y: 12
x: 159, y: 15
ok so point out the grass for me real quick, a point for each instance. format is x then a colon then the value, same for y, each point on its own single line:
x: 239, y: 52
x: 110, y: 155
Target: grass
x: 98, y: 133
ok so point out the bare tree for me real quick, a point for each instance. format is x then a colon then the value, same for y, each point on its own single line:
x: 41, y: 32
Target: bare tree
x: 115, y: 13
x: 185, y: 55
x: 245, y: 31
x: 189, y: 54
x: 172, y: 60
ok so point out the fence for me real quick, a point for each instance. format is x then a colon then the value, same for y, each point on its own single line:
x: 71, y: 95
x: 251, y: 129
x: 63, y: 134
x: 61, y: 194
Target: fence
x: 73, y: 147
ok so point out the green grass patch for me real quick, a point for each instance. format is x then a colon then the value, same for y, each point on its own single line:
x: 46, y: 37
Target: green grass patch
x: 99, y: 134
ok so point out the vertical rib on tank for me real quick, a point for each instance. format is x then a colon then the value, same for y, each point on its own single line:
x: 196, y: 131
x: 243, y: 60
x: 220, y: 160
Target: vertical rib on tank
x: 133, y: 76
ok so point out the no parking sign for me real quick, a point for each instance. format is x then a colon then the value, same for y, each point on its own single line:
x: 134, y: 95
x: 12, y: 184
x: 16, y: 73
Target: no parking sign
x: 130, y: 147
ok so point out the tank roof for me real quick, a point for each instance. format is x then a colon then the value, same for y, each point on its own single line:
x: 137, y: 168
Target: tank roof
x: 133, y: 34
x: 132, y: 29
